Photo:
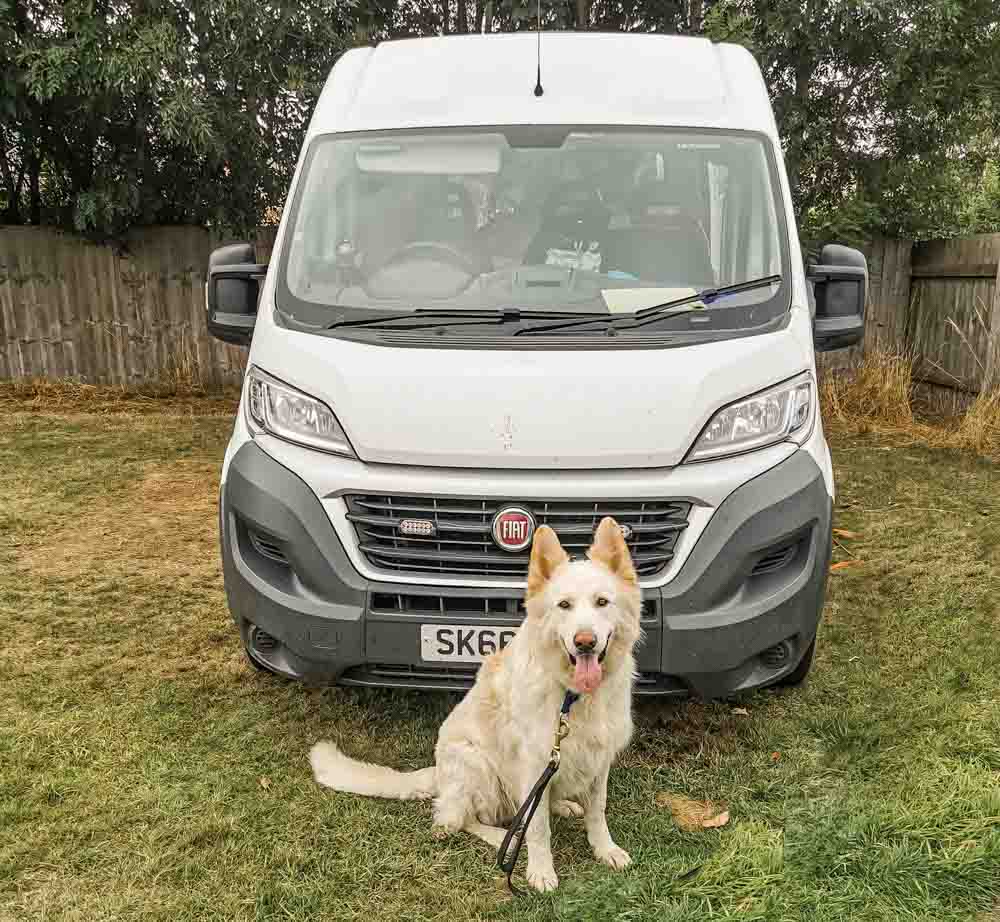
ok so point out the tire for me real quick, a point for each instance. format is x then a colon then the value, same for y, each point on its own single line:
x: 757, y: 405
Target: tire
x: 798, y: 675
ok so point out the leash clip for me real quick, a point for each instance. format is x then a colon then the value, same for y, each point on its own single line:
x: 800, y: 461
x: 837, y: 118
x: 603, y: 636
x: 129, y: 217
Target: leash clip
x: 562, y: 731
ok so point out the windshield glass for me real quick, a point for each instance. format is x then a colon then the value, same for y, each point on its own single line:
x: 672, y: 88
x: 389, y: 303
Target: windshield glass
x: 531, y: 219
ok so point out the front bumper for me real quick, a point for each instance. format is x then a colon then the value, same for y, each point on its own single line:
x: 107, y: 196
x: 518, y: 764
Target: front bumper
x: 739, y: 614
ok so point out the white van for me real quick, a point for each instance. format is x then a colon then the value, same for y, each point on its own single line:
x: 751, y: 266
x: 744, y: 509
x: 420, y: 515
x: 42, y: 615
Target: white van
x: 490, y: 308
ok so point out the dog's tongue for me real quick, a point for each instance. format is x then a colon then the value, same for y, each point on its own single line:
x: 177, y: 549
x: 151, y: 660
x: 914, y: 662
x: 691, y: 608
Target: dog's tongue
x: 587, y: 675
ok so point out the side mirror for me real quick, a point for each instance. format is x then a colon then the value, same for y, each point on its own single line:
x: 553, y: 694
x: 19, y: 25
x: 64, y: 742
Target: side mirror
x: 232, y: 289
x: 840, y: 286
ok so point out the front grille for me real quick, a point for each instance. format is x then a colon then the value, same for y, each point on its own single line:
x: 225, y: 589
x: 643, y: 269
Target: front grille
x: 442, y: 678
x: 446, y: 604
x: 466, y: 606
x: 462, y: 542
x: 459, y: 678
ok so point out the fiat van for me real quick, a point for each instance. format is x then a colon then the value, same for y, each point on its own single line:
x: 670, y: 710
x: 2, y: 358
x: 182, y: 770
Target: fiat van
x: 492, y: 306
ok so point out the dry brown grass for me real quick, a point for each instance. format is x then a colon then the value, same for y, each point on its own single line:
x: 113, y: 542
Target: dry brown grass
x: 879, y: 392
x: 61, y: 397
x: 164, y: 528
x: 880, y: 396
x: 978, y: 429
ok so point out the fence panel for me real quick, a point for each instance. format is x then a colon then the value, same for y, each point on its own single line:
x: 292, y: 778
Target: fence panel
x: 124, y: 315
x: 950, y: 322
x: 133, y: 314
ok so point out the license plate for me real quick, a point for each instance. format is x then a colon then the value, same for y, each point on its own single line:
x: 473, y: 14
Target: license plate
x: 461, y: 643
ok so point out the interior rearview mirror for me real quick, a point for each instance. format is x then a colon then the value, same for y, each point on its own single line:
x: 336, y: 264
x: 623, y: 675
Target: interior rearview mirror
x: 232, y: 289
x: 840, y: 287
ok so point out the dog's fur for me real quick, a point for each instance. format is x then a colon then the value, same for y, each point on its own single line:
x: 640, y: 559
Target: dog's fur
x: 495, y: 744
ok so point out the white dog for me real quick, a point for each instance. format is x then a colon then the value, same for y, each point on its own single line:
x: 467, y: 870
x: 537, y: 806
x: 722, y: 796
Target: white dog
x: 581, y: 625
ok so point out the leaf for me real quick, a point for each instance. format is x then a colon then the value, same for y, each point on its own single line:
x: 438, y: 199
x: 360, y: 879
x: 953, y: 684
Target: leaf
x: 716, y: 821
x: 740, y: 712
x: 264, y: 782
x: 843, y: 565
x: 844, y: 533
x: 775, y: 756
x: 692, y: 815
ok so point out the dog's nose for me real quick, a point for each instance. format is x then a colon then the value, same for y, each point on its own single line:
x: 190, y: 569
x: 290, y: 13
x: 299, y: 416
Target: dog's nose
x: 585, y: 641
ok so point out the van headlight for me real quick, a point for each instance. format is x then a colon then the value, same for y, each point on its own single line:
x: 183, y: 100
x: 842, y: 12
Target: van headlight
x: 293, y: 416
x: 775, y: 415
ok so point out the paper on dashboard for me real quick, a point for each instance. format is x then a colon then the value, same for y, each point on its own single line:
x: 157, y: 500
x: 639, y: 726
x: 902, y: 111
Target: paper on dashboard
x: 630, y: 300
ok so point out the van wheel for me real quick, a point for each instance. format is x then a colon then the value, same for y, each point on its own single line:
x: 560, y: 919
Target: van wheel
x: 798, y: 675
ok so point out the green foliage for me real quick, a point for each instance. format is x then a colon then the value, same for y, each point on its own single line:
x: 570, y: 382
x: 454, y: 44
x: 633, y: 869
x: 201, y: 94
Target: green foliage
x: 163, y: 111
x: 887, y: 109
x: 122, y: 112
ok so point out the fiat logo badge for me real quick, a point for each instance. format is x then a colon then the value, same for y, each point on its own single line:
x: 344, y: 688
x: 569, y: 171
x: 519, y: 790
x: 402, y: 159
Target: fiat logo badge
x: 513, y: 529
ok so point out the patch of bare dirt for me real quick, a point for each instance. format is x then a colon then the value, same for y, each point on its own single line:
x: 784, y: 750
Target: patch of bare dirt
x: 164, y: 528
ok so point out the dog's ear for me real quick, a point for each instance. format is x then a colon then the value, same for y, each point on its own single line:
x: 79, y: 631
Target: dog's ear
x: 547, y: 555
x: 610, y: 549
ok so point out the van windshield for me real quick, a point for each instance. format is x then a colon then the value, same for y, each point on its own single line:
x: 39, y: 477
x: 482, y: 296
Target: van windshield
x: 534, y: 220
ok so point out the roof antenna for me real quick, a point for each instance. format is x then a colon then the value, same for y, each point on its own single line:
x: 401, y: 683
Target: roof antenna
x: 538, y: 32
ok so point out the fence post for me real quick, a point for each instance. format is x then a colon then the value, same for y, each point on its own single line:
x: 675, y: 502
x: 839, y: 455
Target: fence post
x: 991, y: 375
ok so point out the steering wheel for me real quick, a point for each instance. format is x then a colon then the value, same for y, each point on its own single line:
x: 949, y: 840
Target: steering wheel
x: 432, y: 251
x: 423, y: 272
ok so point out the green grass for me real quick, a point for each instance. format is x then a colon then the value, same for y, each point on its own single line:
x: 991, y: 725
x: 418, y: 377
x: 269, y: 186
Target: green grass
x: 146, y: 770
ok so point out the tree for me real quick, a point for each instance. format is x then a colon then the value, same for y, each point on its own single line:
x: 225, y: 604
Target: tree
x: 874, y: 99
x: 165, y: 110
x: 122, y: 112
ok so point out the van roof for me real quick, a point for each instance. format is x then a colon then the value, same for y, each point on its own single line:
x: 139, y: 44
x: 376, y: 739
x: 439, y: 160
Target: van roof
x: 589, y: 79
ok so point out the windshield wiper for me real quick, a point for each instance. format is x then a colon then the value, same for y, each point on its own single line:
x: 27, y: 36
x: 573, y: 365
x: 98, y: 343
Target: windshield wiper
x: 707, y: 295
x: 424, y: 318
x: 698, y: 299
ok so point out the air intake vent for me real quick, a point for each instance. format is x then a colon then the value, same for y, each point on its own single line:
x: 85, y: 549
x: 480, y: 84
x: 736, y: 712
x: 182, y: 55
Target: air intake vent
x: 777, y: 656
x: 774, y: 559
x: 458, y: 678
x: 268, y: 546
x: 467, y: 606
x: 446, y: 605
x: 263, y: 642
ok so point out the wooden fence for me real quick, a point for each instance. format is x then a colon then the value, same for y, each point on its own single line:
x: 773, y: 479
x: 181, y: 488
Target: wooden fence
x: 134, y: 315
x: 953, y: 317
x: 130, y: 315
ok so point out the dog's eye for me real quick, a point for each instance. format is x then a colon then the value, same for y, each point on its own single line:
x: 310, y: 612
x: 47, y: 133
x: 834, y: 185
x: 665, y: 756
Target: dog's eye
x: 566, y: 604
x: 601, y: 601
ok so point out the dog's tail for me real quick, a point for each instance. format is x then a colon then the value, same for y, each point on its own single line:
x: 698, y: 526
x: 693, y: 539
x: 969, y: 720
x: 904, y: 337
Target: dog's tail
x: 334, y: 770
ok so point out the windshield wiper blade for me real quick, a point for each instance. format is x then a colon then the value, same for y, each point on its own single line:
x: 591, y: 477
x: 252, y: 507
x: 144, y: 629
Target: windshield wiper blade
x: 699, y: 300
x: 420, y: 316
x: 576, y: 322
x: 424, y: 318
x: 707, y: 295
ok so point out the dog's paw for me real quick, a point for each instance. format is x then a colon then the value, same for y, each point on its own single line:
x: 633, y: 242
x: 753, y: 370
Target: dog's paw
x: 567, y: 808
x: 440, y: 831
x: 542, y: 879
x: 615, y: 857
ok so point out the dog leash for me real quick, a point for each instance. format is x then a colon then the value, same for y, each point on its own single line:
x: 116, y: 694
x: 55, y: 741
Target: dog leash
x: 507, y: 859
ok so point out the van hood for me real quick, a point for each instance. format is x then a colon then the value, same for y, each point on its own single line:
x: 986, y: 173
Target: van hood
x: 589, y: 409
